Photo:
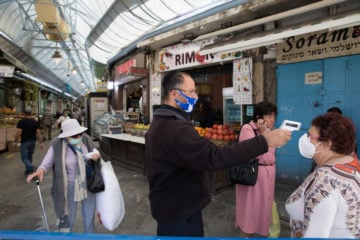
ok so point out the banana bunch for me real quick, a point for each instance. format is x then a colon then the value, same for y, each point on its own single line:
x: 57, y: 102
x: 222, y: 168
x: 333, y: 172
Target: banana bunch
x: 142, y: 126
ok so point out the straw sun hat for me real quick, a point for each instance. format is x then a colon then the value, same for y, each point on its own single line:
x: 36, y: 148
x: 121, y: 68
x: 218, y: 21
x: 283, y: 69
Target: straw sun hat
x: 71, y: 127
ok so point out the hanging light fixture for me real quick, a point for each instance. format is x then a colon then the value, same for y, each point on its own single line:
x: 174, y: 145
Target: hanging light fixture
x: 56, y: 56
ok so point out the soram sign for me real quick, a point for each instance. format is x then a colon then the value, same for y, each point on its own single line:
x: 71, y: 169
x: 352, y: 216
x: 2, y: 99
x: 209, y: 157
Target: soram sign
x: 319, y: 45
x: 185, y: 55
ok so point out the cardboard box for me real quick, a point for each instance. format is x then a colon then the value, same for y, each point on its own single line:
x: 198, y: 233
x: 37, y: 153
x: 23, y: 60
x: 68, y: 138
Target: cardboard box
x: 13, y: 147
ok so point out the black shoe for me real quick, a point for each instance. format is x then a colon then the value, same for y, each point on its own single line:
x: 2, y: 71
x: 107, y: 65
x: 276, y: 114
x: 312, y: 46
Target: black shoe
x: 64, y: 224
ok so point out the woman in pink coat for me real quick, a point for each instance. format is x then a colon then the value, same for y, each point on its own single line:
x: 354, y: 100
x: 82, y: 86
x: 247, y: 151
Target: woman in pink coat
x: 254, y: 203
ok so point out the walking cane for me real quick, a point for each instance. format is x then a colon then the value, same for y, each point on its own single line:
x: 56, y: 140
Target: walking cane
x: 42, y: 204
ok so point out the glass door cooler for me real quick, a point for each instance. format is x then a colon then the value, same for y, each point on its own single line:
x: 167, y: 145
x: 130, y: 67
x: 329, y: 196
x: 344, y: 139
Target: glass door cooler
x: 235, y: 115
x: 232, y: 113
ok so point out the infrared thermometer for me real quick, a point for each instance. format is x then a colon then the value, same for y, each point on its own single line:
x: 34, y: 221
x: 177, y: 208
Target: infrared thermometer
x: 290, y: 125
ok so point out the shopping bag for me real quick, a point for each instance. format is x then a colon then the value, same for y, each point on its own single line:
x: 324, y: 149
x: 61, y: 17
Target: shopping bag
x: 94, y: 180
x: 110, y: 203
x: 274, y: 229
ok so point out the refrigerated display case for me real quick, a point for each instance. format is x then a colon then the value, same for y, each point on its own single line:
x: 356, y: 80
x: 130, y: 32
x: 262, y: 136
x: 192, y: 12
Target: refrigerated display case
x: 235, y: 115
x: 232, y: 113
x: 97, y: 105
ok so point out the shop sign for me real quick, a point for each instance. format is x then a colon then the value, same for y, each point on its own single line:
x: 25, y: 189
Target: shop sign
x: 6, y: 70
x: 125, y: 67
x: 313, y: 78
x: 319, y: 45
x: 137, y: 71
x: 185, y: 55
x: 242, y: 80
x: 101, y: 86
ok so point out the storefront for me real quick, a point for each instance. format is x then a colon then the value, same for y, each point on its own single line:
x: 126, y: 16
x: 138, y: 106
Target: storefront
x: 130, y: 86
x: 129, y: 98
x: 315, y: 71
x: 211, y: 72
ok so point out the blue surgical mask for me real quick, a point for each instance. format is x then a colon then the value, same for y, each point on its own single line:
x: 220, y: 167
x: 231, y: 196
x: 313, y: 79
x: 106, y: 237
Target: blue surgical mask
x: 75, y: 141
x: 190, y: 102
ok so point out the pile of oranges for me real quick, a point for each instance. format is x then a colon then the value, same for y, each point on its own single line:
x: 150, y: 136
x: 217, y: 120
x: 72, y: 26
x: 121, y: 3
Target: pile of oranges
x: 218, y: 132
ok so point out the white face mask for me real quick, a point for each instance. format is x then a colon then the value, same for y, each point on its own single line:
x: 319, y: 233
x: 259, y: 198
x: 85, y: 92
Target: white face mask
x: 306, y: 148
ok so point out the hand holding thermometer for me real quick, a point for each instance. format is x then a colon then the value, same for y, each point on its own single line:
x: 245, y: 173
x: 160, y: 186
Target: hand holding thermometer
x: 290, y: 125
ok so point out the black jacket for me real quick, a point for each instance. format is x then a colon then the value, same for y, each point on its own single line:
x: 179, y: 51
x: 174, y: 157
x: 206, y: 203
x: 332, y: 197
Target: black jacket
x: 176, y: 157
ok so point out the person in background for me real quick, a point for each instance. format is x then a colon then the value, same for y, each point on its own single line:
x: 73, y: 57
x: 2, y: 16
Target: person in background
x: 75, y: 114
x: 66, y: 157
x: 335, y: 110
x: 176, y: 157
x: 28, y: 130
x: 63, y: 117
x: 254, y: 203
x: 326, y: 204
x: 203, y: 114
x: 48, y: 121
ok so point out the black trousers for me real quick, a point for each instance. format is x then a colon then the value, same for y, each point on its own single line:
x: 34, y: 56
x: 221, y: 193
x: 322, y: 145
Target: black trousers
x: 191, y: 227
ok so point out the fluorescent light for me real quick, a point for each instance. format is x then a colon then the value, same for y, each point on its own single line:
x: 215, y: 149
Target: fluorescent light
x: 41, y: 82
x: 110, y: 85
x: 350, y: 20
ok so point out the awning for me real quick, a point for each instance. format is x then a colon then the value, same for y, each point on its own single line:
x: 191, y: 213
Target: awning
x: 278, y: 35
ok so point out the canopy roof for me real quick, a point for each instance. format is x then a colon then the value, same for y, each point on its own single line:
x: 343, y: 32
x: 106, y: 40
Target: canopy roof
x: 86, y: 33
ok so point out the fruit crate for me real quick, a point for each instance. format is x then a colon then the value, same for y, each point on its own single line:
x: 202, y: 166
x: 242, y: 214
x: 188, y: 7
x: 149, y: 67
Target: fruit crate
x: 217, y: 179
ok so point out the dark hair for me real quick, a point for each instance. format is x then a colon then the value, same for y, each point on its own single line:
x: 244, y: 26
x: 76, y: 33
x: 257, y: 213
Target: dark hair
x: 264, y: 108
x: 334, y: 110
x: 171, y: 81
x: 337, y: 128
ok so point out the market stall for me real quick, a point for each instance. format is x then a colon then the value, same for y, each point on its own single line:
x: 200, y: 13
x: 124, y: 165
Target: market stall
x: 124, y: 149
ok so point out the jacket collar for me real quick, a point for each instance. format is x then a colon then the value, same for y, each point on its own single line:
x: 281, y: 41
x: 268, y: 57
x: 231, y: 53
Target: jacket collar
x: 167, y: 110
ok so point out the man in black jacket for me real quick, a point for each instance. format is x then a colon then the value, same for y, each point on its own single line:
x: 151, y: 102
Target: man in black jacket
x: 176, y: 157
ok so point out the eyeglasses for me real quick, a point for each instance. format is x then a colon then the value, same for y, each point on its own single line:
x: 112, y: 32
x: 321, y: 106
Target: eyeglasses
x: 76, y: 136
x: 190, y: 92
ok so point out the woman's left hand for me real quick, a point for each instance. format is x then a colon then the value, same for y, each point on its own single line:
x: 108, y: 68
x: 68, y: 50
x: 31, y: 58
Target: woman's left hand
x: 95, y: 156
x: 261, y: 125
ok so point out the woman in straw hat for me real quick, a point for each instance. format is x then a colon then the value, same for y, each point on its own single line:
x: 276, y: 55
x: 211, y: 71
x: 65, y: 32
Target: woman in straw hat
x: 66, y: 157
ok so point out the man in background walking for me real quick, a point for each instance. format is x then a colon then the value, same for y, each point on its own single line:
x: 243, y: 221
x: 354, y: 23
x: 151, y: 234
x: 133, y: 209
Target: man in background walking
x: 48, y: 121
x: 28, y: 130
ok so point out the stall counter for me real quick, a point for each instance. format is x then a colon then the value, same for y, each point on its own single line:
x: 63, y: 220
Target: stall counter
x: 125, y: 137
x: 125, y: 150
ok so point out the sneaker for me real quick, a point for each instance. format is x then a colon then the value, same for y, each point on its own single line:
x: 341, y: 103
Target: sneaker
x: 64, y: 224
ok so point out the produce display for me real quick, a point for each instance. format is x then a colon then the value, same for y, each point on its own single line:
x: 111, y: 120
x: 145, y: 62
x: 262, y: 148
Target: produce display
x: 9, y: 120
x: 136, y: 129
x: 218, y: 133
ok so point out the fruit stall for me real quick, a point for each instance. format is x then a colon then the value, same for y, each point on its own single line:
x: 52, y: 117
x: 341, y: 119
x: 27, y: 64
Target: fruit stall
x: 221, y: 135
x: 8, y: 121
x: 127, y: 149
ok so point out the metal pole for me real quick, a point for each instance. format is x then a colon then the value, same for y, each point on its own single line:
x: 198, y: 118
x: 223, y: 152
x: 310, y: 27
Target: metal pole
x: 42, y: 205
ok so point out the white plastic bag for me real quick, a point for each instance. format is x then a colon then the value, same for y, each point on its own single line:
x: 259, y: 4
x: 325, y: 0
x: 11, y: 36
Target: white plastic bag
x: 110, y: 203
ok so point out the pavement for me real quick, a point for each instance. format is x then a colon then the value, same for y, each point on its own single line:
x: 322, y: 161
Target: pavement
x: 20, y: 207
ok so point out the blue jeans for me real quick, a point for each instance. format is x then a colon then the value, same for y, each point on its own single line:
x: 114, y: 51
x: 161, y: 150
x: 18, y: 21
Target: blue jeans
x: 87, y: 210
x: 27, y: 151
x: 191, y: 227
